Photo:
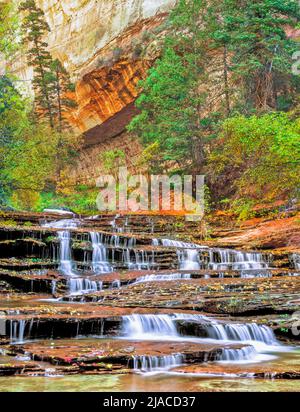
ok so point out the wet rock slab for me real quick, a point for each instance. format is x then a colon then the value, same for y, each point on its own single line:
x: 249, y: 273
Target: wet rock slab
x: 105, y: 354
x: 243, y: 296
x: 287, y: 366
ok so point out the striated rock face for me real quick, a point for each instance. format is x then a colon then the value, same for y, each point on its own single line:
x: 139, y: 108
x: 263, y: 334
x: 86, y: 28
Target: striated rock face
x: 106, y: 46
x: 106, y: 91
x: 80, y: 29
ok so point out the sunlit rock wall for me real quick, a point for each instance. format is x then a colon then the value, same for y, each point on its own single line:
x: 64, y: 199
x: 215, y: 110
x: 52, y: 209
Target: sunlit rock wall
x: 106, y: 48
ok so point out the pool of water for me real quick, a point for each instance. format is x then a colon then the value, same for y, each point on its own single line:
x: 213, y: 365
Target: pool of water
x: 141, y: 383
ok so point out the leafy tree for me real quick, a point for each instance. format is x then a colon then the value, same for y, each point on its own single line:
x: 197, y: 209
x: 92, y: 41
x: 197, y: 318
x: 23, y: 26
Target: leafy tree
x: 256, y: 158
x: 112, y: 160
x: 33, y: 162
x: 31, y: 154
x: 13, y: 118
x: 8, y: 29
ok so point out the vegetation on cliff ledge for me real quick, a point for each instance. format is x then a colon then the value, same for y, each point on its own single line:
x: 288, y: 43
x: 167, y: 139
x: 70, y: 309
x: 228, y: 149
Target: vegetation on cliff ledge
x: 222, y: 100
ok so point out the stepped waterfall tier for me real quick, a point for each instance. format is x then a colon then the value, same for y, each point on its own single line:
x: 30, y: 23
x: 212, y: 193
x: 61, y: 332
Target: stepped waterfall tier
x: 74, y: 291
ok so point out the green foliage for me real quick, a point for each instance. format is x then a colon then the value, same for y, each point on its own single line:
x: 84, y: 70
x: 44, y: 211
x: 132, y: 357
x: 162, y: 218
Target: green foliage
x: 112, y: 160
x: 255, y: 34
x: 31, y: 163
x: 174, y: 99
x: 225, y: 60
x: 8, y: 29
x: 27, y: 224
x: 256, y: 158
x: 35, y: 29
x: 62, y: 88
x: 81, y: 200
x: 31, y: 154
x: 151, y: 157
x: 208, y: 104
x: 13, y: 120
x: 51, y: 81
x: 8, y: 223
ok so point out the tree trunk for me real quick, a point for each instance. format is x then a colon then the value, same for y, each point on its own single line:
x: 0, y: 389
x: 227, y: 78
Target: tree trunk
x: 226, y: 84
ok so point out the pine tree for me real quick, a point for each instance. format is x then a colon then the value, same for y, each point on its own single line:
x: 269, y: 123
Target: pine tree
x: 35, y: 29
x: 63, y: 86
x: 261, y: 51
x: 176, y: 112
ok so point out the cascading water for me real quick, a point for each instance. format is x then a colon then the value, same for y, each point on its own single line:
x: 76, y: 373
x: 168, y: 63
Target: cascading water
x: 63, y: 224
x: 155, y: 326
x: 193, y: 257
x: 115, y: 226
x: 237, y: 355
x: 66, y: 264
x: 99, y: 259
x: 138, y: 259
x: 188, y: 259
x: 116, y: 284
x: 138, y: 326
x: 187, y: 253
x: 175, y: 243
x: 226, y: 337
x: 17, y: 330
x: 223, y: 259
x: 163, y: 327
x: 241, y: 332
x: 296, y: 260
x: 157, y: 363
x: 53, y: 287
x: 79, y: 286
x: 118, y: 241
x: 162, y: 278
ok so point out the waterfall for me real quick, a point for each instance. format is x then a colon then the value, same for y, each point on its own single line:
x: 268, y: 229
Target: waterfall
x: 141, y: 260
x: 247, y: 275
x: 237, y: 355
x: 175, y: 243
x: 53, y: 287
x: 296, y: 261
x: 157, y: 363
x: 66, y: 265
x: 63, y: 224
x: 188, y: 259
x: 162, y: 278
x: 117, y: 241
x: 17, y: 330
x: 99, y: 260
x: 242, y: 332
x: 137, y: 326
x: 223, y: 259
x: 116, y: 284
x: 187, y: 253
x: 190, y: 255
x: 79, y: 286
x: 115, y: 226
